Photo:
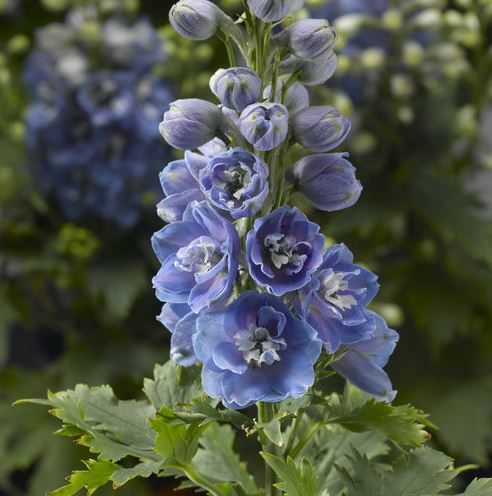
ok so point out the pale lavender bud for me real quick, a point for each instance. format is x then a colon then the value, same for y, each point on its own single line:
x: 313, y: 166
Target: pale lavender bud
x: 327, y: 181
x: 236, y: 87
x: 195, y: 19
x: 313, y: 71
x: 320, y: 129
x: 264, y: 125
x: 296, y: 96
x: 273, y: 10
x: 190, y: 123
x: 309, y: 38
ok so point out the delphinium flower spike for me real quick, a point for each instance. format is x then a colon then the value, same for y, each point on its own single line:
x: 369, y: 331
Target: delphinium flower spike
x: 250, y: 289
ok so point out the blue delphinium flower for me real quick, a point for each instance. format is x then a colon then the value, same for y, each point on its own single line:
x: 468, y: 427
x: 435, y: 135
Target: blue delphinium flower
x: 273, y: 10
x: 251, y: 345
x: 334, y: 302
x: 91, y: 125
x: 199, y: 257
x: 195, y: 19
x: 363, y: 364
x: 283, y: 250
x: 296, y: 97
x: 190, y: 123
x: 236, y: 181
x: 180, y: 180
x: 255, y: 350
x: 320, y: 128
x: 327, y: 181
x: 264, y: 125
x: 236, y: 87
x: 181, y: 322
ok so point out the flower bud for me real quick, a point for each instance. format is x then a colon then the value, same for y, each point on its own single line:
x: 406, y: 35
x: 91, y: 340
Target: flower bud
x: 195, y: 19
x: 273, y: 10
x: 313, y: 71
x: 328, y: 181
x: 236, y: 87
x: 296, y: 97
x: 264, y: 125
x: 190, y: 123
x: 309, y: 38
x: 320, y: 129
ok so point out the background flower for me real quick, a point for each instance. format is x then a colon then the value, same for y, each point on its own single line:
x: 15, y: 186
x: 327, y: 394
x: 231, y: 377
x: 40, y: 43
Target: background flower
x: 91, y: 125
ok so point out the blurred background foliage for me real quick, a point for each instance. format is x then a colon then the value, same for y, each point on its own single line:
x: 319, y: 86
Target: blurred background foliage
x: 76, y: 303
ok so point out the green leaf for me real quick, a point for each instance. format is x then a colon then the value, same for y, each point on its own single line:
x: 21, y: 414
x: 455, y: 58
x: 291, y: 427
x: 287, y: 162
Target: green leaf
x: 424, y: 472
x: 233, y: 417
x: 176, y: 443
x: 112, y: 428
x: 144, y: 469
x: 402, y: 424
x: 297, y: 479
x: 97, y: 474
x: 272, y: 430
x: 333, y: 447
x: 479, y: 487
x: 119, y: 286
x: 173, y: 386
x: 217, y: 460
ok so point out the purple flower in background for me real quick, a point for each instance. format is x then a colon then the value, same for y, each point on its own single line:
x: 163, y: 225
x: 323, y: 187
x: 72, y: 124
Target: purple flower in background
x: 236, y: 181
x: 334, y: 301
x: 264, y: 125
x: 283, y: 250
x: 199, y: 257
x: 363, y: 364
x: 107, y: 97
x: 255, y: 350
x: 327, y: 181
x: 92, y: 123
x: 181, y: 322
x: 320, y: 128
x: 236, y: 87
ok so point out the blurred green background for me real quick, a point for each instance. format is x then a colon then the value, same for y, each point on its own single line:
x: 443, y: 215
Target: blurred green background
x: 76, y: 303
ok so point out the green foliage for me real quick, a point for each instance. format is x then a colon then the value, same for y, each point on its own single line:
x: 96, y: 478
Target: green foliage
x: 97, y: 474
x: 217, y: 460
x: 177, y: 444
x: 357, y: 412
x: 423, y: 472
x: 297, y: 479
x: 345, y: 453
x: 172, y: 385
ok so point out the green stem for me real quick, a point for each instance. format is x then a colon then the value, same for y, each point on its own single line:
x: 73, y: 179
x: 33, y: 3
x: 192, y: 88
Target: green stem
x: 230, y: 50
x: 292, y: 79
x: 259, y: 48
x: 273, y: 91
x: 195, y: 477
x: 265, y: 415
x: 293, y: 432
x: 305, y: 439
